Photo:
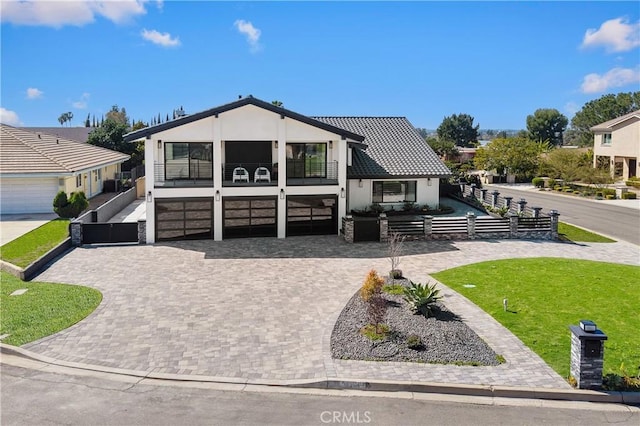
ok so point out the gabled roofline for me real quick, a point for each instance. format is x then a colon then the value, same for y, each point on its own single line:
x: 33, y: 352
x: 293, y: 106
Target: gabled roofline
x: 250, y: 100
x: 607, y: 125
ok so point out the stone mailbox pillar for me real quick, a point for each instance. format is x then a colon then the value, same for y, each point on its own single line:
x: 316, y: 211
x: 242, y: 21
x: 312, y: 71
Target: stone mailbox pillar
x: 428, y: 226
x: 521, y: 204
x: 471, y: 225
x: 348, y: 229
x: 483, y: 195
x: 75, y: 230
x: 587, y: 355
x: 555, y: 219
x: 384, y: 228
x: 536, y: 211
x: 507, y: 202
x: 494, y: 199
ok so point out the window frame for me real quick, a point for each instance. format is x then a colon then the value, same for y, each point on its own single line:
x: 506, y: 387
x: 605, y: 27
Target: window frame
x: 409, y: 191
x: 79, y: 180
x: 606, y: 139
x: 193, y: 171
x: 300, y: 168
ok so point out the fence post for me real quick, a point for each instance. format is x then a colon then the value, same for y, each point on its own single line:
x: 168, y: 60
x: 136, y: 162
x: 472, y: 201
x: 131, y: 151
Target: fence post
x: 348, y: 229
x: 507, y: 202
x: 483, y: 195
x: 536, y: 211
x: 471, y: 224
x: 521, y: 204
x: 142, y: 231
x: 463, y: 188
x: 513, y: 225
x: 384, y: 228
x: 473, y: 190
x: 75, y: 229
x: 494, y: 199
x: 428, y: 226
x: 555, y: 219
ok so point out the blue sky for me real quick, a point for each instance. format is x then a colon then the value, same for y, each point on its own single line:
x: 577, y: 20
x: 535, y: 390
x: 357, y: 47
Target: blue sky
x: 498, y: 61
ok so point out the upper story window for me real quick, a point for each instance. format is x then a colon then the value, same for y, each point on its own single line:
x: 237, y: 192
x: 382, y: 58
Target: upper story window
x: 394, y: 191
x: 188, y: 160
x: 306, y: 160
x: 606, y: 139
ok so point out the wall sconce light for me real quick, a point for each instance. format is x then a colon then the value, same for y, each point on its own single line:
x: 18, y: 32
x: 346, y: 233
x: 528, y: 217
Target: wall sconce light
x: 276, y: 144
x: 149, y: 197
x: 159, y: 144
x: 330, y: 144
x: 360, y: 183
x: 342, y: 193
x: 217, y: 195
x: 281, y: 194
x: 428, y: 181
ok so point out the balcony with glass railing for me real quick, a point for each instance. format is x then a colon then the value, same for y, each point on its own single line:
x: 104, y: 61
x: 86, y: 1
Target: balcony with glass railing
x: 308, y: 172
x: 181, y: 173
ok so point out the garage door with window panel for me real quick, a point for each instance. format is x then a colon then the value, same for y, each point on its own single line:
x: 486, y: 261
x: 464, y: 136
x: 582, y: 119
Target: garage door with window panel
x: 184, y: 219
x: 312, y: 215
x: 250, y: 217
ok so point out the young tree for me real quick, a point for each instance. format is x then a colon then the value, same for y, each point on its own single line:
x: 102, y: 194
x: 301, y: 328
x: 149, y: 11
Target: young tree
x: 459, y: 129
x: 516, y: 155
x: 566, y: 164
x: 87, y: 122
x: 603, y: 109
x: 547, y: 124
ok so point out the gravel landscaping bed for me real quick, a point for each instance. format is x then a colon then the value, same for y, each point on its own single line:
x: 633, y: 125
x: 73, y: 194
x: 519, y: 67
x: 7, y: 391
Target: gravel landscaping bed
x: 446, y: 339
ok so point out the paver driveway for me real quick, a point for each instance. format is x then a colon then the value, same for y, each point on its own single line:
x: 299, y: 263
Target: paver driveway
x: 263, y: 309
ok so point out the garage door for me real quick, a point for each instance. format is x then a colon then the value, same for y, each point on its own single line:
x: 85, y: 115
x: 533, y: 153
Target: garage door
x: 250, y: 217
x: 312, y: 215
x: 27, y: 195
x: 184, y: 219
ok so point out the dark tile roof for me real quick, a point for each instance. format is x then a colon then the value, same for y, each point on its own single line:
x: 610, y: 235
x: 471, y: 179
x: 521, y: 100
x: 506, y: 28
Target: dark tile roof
x: 80, y: 134
x: 394, y: 148
x: 250, y: 100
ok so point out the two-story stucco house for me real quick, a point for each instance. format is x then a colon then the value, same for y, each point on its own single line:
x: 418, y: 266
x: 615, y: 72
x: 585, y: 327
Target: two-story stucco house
x: 250, y: 168
x: 618, y: 140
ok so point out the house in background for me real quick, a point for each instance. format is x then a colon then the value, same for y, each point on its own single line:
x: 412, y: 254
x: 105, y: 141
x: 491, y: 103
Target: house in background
x: 250, y: 168
x: 34, y: 167
x: 617, y: 141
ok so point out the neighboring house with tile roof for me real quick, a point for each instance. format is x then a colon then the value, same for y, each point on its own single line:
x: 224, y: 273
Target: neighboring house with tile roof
x: 249, y: 168
x: 617, y: 141
x: 35, y: 166
x: 80, y: 134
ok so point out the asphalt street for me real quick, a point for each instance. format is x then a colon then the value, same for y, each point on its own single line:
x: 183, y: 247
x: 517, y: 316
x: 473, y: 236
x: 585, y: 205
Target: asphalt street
x: 49, y: 395
x: 613, y: 220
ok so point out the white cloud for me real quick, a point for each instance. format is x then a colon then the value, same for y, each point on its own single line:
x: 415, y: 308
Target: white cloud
x: 82, y: 102
x: 616, y: 77
x: 33, y: 93
x: 250, y: 32
x: 161, y: 39
x: 9, y: 117
x: 616, y: 35
x: 57, y: 14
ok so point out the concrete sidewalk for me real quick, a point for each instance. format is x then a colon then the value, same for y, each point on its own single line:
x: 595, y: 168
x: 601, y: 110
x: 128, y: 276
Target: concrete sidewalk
x: 262, y: 310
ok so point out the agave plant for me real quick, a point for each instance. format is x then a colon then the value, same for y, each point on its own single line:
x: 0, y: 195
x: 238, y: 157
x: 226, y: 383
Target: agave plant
x: 422, y: 298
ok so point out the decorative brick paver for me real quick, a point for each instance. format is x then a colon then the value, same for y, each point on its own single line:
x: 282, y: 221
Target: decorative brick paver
x: 263, y: 309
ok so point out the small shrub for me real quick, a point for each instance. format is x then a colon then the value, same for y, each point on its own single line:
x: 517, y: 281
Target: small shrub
x: 629, y: 196
x: 577, y: 192
x: 500, y: 359
x: 610, y: 197
x: 408, y: 206
x: 371, y: 293
x: 393, y: 289
x: 608, y: 191
x: 415, y: 342
x: 376, y: 208
x: 567, y: 189
x: 557, y: 188
x: 395, y: 274
x: 572, y: 381
x: 422, y: 298
x: 71, y: 207
x: 374, y: 333
x: 371, y: 286
x: 538, y: 182
x: 551, y: 183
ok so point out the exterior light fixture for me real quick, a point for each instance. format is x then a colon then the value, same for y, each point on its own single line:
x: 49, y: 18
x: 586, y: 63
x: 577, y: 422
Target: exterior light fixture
x: 428, y: 181
x: 281, y: 193
x: 276, y: 144
x: 330, y: 144
x: 159, y: 144
x: 342, y: 193
x: 360, y: 183
x: 149, y: 197
x: 217, y: 195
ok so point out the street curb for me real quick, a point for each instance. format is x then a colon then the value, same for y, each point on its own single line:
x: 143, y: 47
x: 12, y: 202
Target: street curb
x: 628, y: 398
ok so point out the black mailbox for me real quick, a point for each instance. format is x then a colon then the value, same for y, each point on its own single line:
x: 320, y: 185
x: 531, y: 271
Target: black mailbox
x: 592, y: 348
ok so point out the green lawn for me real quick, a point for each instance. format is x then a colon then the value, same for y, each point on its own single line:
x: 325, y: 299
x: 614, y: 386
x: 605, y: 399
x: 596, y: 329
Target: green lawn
x: 546, y: 295
x: 43, y: 310
x: 572, y: 233
x: 31, y: 246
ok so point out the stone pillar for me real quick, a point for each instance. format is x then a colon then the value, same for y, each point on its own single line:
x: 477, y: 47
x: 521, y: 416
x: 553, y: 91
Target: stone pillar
x: 463, y: 188
x: 507, y: 202
x: 428, y: 226
x: 483, y: 195
x: 587, y: 356
x: 348, y: 228
x: 494, y: 199
x: 473, y: 190
x: 536, y: 211
x: 471, y: 224
x: 555, y: 219
x: 521, y: 204
x: 142, y: 231
x: 513, y: 225
x: 75, y: 229
x: 384, y: 228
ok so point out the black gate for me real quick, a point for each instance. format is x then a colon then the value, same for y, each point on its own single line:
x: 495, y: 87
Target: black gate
x: 109, y: 233
x: 366, y: 229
